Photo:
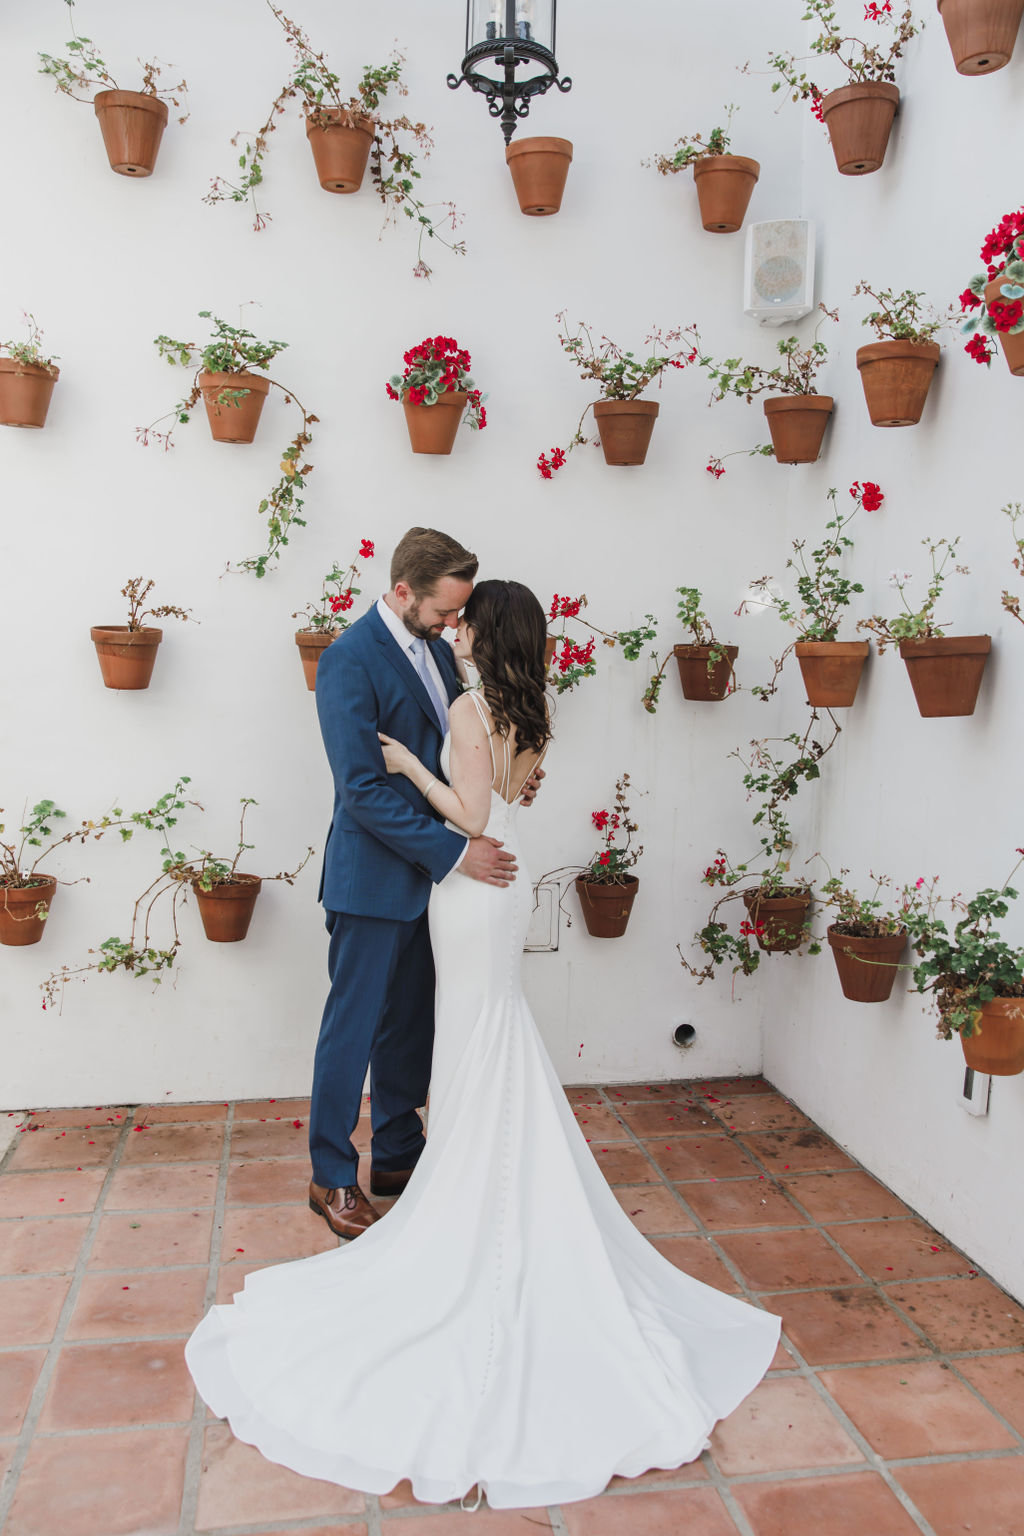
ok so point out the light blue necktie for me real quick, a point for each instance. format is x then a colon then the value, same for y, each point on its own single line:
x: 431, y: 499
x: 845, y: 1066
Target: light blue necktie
x: 419, y: 657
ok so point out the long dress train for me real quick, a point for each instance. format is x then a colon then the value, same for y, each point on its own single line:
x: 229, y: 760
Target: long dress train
x: 505, y: 1324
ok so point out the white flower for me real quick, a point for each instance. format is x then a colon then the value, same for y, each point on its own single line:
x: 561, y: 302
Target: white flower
x: 900, y: 578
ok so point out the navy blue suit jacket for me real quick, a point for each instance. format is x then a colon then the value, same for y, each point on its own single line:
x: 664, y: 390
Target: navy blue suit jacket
x: 386, y: 846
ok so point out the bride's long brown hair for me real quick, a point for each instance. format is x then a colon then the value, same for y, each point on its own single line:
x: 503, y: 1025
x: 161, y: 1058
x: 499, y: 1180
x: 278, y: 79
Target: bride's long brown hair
x: 509, y: 634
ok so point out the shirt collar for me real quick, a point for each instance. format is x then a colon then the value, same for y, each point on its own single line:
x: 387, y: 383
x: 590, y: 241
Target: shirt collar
x: 401, y: 635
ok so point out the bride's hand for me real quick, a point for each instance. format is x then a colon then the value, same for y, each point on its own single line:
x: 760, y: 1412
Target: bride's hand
x: 397, y: 758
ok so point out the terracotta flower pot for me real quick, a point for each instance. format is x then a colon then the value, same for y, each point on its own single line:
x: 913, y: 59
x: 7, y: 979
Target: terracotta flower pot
x: 1013, y: 346
x: 945, y: 672
x: 797, y: 425
x: 782, y: 918
x: 25, y: 392
x: 226, y: 910
x: 126, y: 656
x: 999, y: 1046
x: 831, y: 670
x: 867, y: 967
x: 606, y: 908
x: 433, y: 428
x: 539, y: 170
x: 549, y: 649
x: 19, y: 921
x: 724, y: 184
x: 233, y: 421
x: 625, y: 427
x: 132, y: 124
x: 897, y: 376
x: 341, y: 144
x: 312, y: 643
x: 859, y: 120
x: 981, y: 33
x: 707, y: 681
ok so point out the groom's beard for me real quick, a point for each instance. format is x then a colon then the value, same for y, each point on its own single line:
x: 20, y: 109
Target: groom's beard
x: 414, y: 624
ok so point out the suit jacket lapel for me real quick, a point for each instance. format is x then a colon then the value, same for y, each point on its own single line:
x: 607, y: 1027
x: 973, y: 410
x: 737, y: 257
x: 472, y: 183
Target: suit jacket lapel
x: 445, y: 658
x: 403, y: 666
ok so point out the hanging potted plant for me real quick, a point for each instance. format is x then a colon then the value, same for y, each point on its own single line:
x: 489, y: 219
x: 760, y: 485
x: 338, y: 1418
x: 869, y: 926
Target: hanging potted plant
x: 605, y: 888
x: 327, y: 618
x: 233, y: 395
x: 981, y: 33
x: 859, y: 115
x: 831, y: 667
x: 132, y: 122
x: 896, y: 370
x: 945, y: 670
x: 27, y: 377
x: 569, y: 666
x: 975, y: 980
x: 624, y: 421
x: 724, y: 182
x: 26, y: 893
x: 997, y: 294
x: 797, y: 416
x: 705, y: 664
x: 127, y: 652
x: 539, y: 168
x: 867, y: 938
x: 225, y: 896
x: 437, y: 394
x: 345, y: 134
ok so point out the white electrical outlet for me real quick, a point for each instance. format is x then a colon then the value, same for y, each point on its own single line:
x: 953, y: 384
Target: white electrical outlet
x: 974, y: 1091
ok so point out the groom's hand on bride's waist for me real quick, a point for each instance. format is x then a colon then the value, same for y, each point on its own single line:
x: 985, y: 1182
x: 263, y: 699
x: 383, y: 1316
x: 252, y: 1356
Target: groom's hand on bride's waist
x: 529, y: 790
x: 485, y: 859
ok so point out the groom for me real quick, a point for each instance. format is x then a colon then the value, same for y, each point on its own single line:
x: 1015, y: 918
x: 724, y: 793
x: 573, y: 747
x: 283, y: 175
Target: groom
x: 391, y: 672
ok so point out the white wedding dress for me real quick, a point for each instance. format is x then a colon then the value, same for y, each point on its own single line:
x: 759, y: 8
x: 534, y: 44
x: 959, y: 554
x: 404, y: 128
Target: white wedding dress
x: 505, y: 1324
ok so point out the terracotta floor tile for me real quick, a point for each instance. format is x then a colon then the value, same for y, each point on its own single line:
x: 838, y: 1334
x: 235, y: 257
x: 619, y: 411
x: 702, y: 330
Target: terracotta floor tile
x: 781, y: 1426
x: 701, y: 1157
x: 599, y: 1124
x: 916, y: 1410
x: 690, y: 1472
x: 654, y: 1209
x: 177, y: 1114
x: 141, y: 1239
x: 105, y: 1386
x: 138, y: 1304
x: 1000, y: 1379
x: 274, y: 1232
x: 91, y: 1114
x: 696, y: 1257
x: 775, y: 1261
x: 350, y: 1528
x: 622, y: 1163
x: 175, y: 1143
x: 238, y: 1487
x: 742, y: 1203
x: 272, y: 1181
x: 80, y: 1485
x: 30, y: 1307
x: 730, y: 1087
x: 170, y: 1187
x: 269, y: 1109
x: 843, y: 1196
x: 270, y: 1138
x: 759, y: 1112
x: 695, y: 1511
x: 7, y: 1450
x: 667, y: 1117
x: 782, y: 1360
x: 38, y: 1245
x: 852, y: 1323
x: 852, y: 1504
x: 64, y: 1193
x: 898, y: 1249
x: 489, y: 1522
x: 957, y: 1496
x: 19, y: 1370
x: 64, y: 1149
x: 639, y: 1093
x: 962, y: 1314
x: 796, y: 1151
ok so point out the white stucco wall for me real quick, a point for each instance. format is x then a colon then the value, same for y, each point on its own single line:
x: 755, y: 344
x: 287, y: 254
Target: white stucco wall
x: 106, y: 265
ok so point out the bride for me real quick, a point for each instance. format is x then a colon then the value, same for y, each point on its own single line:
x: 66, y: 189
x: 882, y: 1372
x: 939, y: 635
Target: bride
x: 504, y: 1325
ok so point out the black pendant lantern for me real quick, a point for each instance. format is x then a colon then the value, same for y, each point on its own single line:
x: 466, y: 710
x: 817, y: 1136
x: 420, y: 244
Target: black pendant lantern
x: 510, y: 56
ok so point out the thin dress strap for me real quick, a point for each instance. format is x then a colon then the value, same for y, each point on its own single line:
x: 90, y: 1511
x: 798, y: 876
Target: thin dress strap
x: 487, y: 727
x: 506, y: 772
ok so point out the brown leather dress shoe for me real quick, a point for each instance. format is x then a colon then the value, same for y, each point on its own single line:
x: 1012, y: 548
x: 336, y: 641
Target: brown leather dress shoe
x: 388, y: 1182
x: 346, y: 1211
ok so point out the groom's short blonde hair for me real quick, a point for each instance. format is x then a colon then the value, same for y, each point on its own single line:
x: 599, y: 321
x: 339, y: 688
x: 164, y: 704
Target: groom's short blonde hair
x: 424, y: 557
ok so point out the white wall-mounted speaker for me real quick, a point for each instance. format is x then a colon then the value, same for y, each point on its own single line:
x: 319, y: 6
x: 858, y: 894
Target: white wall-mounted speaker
x: 778, y: 271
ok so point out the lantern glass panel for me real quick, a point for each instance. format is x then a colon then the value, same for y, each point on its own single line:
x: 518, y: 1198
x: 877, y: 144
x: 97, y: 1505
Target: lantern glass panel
x: 531, y: 21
